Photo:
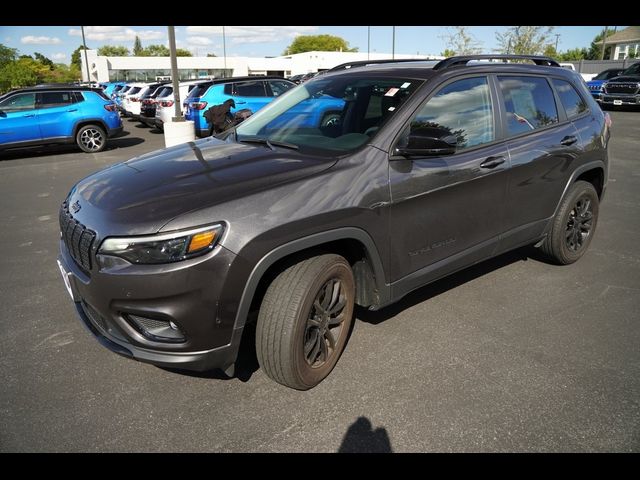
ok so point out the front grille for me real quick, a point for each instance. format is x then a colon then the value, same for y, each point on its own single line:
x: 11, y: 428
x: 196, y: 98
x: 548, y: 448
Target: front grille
x: 631, y: 88
x: 77, y: 238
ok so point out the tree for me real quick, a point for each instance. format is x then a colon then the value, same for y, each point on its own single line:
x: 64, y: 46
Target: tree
x: 182, y: 52
x: 460, y: 41
x: 23, y: 72
x: 7, y: 55
x: 324, y: 43
x: 550, y: 51
x: 44, y: 60
x: 528, y: 40
x: 76, y: 59
x: 211, y: 55
x: 137, y: 47
x: 113, y: 51
x: 595, y: 50
x: 155, y: 51
x: 448, y: 53
x: 574, y: 54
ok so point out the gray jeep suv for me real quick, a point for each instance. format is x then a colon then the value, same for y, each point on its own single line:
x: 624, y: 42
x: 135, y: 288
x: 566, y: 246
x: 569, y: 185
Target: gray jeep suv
x: 429, y: 167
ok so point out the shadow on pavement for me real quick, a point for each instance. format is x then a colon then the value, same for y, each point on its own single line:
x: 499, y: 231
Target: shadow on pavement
x: 361, y: 438
x: 447, y: 283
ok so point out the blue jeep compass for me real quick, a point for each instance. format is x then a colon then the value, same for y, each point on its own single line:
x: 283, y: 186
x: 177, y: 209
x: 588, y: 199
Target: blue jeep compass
x: 58, y: 114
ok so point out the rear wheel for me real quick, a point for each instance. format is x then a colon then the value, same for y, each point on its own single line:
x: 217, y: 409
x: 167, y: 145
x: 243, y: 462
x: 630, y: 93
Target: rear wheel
x: 91, y: 139
x: 304, y: 321
x: 574, y: 224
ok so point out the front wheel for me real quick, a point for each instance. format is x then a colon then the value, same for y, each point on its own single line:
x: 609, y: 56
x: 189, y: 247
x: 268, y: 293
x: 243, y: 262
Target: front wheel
x: 574, y: 224
x: 91, y: 139
x: 304, y: 321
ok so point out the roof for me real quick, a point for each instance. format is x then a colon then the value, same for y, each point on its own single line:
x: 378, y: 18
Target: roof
x: 57, y: 86
x: 629, y: 34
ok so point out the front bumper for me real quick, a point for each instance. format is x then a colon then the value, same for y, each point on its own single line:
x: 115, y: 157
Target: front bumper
x: 619, y: 99
x: 188, y: 293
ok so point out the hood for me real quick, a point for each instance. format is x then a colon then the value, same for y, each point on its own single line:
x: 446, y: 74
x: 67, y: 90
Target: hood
x: 140, y: 195
x: 625, y: 78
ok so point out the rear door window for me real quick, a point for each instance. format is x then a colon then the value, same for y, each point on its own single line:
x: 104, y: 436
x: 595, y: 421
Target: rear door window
x: 529, y: 103
x: 55, y: 99
x: 20, y: 102
x: 571, y: 100
x: 249, y: 89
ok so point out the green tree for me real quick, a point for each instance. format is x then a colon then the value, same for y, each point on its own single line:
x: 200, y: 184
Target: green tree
x: 155, y: 51
x: 182, y: 52
x: 76, y: 59
x: 23, y: 72
x: 137, y: 47
x: 211, y: 55
x: 448, y: 53
x: 7, y: 55
x: 574, y: 54
x: 44, y: 60
x: 323, y: 43
x: 595, y: 49
x: 550, y: 51
x: 113, y: 51
x: 527, y: 40
x: 460, y: 41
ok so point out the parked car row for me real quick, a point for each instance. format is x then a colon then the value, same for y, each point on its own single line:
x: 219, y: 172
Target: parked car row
x: 616, y: 86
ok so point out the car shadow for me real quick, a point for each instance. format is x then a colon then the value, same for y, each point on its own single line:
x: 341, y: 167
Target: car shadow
x: 448, y: 283
x: 121, y: 141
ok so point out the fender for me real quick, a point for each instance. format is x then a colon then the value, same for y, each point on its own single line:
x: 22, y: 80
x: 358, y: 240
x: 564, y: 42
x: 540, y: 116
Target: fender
x: 579, y: 171
x: 98, y: 121
x: 345, y: 233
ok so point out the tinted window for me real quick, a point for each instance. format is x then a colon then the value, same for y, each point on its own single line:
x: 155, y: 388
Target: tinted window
x: 529, y: 103
x: 133, y: 90
x: 278, y: 87
x: 51, y: 99
x: 15, y: 103
x: 633, y: 69
x: 162, y: 92
x: 463, y: 109
x: 250, y: 89
x: 199, y: 90
x: 607, y: 74
x: 572, y: 102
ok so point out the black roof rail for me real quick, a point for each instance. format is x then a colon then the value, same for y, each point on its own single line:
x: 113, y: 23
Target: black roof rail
x: 361, y: 63
x: 463, y: 59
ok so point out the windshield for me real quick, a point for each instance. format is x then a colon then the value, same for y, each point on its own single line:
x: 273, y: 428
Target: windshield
x: 331, y: 114
x: 632, y: 70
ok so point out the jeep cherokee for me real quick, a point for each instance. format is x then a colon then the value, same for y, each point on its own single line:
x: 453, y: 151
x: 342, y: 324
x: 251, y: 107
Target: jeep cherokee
x: 430, y: 167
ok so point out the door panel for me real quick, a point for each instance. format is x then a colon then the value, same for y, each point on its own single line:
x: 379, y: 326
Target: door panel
x: 18, y: 119
x: 447, y: 205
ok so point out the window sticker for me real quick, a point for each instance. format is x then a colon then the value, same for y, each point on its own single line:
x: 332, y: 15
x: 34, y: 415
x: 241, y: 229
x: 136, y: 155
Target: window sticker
x: 405, y: 85
x: 391, y: 92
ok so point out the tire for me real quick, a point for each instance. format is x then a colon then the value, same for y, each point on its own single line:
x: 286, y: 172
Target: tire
x: 294, y: 336
x: 574, y: 225
x: 91, y: 138
x: 330, y: 119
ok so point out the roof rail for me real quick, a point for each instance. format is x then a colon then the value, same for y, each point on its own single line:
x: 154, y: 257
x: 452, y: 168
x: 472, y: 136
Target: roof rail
x: 362, y: 63
x: 462, y: 60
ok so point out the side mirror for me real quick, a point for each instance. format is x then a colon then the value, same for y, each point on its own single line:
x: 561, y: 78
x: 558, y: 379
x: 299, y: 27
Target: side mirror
x: 419, y: 145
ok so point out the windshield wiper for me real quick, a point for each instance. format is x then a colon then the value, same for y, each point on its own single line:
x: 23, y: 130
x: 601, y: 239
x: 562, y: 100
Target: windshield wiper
x: 269, y: 143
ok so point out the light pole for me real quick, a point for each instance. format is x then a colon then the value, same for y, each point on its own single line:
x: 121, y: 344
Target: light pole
x: 86, y: 59
x: 224, y: 53
x: 393, y: 43
x: 175, y: 80
x: 556, y: 47
x: 368, y: 41
x: 604, y: 38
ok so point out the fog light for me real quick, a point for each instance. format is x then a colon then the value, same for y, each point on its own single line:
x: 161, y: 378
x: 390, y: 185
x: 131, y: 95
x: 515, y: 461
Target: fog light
x: 156, y: 330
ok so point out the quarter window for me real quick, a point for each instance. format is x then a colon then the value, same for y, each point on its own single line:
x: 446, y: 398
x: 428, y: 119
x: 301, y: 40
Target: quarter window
x: 529, y: 104
x: 249, y: 89
x: 463, y: 109
x: 278, y: 87
x: 571, y: 100
x: 16, y: 103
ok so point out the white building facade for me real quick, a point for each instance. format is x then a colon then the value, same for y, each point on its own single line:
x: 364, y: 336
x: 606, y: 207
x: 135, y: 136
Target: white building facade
x: 105, y: 69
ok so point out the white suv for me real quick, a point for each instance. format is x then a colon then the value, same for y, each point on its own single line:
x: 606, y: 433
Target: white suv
x: 165, y: 110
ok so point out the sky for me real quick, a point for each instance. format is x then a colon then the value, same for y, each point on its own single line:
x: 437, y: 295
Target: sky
x: 59, y: 42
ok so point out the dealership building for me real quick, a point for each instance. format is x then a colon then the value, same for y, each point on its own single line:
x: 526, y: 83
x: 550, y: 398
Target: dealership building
x: 105, y: 69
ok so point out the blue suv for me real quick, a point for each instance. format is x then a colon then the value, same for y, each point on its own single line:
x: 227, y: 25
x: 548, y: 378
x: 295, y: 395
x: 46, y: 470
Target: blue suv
x: 58, y: 114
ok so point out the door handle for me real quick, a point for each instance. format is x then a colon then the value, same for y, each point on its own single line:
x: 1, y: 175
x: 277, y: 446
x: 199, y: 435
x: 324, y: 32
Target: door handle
x: 30, y: 115
x: 568, y: 140
x: 492, y: 162
x: 72, y: 110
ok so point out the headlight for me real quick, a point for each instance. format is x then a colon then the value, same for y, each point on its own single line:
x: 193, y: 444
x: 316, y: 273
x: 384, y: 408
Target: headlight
x: 163, y: 248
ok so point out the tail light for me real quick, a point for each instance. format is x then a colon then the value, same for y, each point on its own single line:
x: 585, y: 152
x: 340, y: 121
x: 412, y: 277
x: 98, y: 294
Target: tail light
x: 110, y: 107
x: 198, y: 105
x: 166, y: 103
x: 134, y: 99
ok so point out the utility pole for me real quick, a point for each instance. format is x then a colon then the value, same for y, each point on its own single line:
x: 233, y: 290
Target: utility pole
x: 368, y: 41
x: 604, y: 38
x: 556, y: 47
x: 175, y: 80
x: 393, y: 43
x: 86, y: 59
x: 224, y: 53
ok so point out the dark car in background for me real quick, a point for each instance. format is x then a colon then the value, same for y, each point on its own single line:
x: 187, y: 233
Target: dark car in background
x: 429, y: 168
x: 595, y: 85
x: 623, y: 89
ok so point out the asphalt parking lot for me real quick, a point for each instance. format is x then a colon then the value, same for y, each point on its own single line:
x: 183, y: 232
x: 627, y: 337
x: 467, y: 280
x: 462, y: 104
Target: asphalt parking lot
x: 513, y: 354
